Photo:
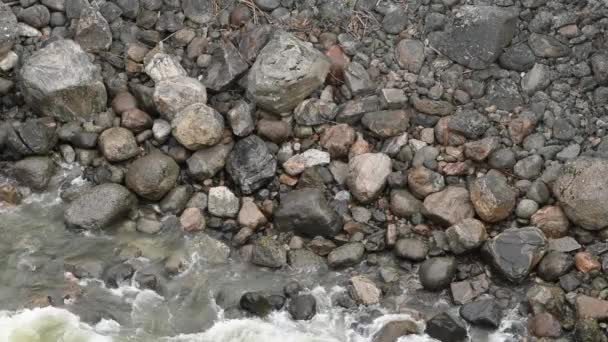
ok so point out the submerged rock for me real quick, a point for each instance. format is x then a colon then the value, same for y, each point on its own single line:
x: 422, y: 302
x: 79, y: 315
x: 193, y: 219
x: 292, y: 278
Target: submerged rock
x: 302, y: 307
x: 99, y: 207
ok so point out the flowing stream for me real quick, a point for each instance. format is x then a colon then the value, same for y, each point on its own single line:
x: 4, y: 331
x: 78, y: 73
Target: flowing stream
x: 198, y: 304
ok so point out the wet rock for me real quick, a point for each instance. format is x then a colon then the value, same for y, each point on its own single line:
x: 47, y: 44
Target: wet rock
x: 255, y: 303
x: 192, y: 220
x: 207, y: 162
x: 410, y: 55
x: 386, y: 123
x: 437, y: 273
x: 411, y: 249
x: 250, y: 215
x: 302, y: 307
x: 240, y: 118
x: 547, y: 47
x: 99, y: 207
x: 60, y: 81
x: 346, y: 255
x: 250, y: 164
x: 9, y: 194
x: 552, y: 221
x: 518, y: 57
x: 582, y: 192
x: 93, y: 31
x: 338, y: 139
x: 448, y: 207
x: 118, y: 274
x: 8, y: 27
x: 483, y: 312
x: 307, y: 212
x: 118, y: 144
x: 492, y: 197
x: 467, y: 235
x: 172, y: 95
x: 423, y: 182
x: 367, y: 174
x: 198, y: 126
x: 314, y: 112
x: 404, y: 204
x: 34, y: 172
x: 152, y: 176
x: 469, y: 123
x: 590, y: 307
x: 445, y: 329
x: 309, y: 158
x: 286, y: 72
x: 222, y: 202
x: 392, y: 331
x: 516, y: 251
x: 364, y: 290
x: 267, y: 252
x: 467, y: 290
x: 227, y: 66
x: 476, y: 38
x: 545, y: 325
x: 554, y: 265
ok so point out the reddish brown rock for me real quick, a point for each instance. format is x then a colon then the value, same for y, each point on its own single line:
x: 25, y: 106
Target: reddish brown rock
x: 123, y: 102
x: 338, y: 60
x: 444, y: 136
x: 545, y: 325
x: 276, y: 131
x: 448, y: 207
x: 9, y: 194
x: 590, y: 307
x: 585, y: 262
x: 338, y: 139
x: 520, y: 128
x: 136, y: 120
x: 361, y: 146
x: 192, y: 220
x: 480, y: 150
x: 552, y: 221
x: 423, y: 182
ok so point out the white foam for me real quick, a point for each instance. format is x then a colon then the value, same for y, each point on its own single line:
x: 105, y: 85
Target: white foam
x: 46, y: 325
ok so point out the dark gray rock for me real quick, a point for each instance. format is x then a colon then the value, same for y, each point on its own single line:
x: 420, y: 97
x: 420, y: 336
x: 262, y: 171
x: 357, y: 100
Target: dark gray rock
x: 34, y: 172
x: 346, y: 255
x: 395, y: 21
x: 445, y: 328
x: 250, y: 164
x: 477, y: 36
x: 303, y: 259
x: 504, y: 93
x: 205, y: 163
x: 351, y: 111
x: 118, y: 274
x: 437, y: 273
x: 314, y: 112
x: 152, y: 176
x: 37, y: 16
x: 599, y: 64
x: 176, y: 199
x: 302, y: 307
x: 31, y: 137
x: 547, y: 46
x: 198, y: 11
x: 469, y: 123
x: 306, y: 212
x: 518, y: 57
x: 483, y: 312
x: 357, y: 79
x: 537, y: 79
x: 411, y: 249
x: 100, y: 206
x: 404, y: 204
x: 227, y: 66
x: 529, y: 167
x: 502, y: 159
x: 60, y: 81
x: 582, y: 192
x: 554, y: 265
x: 240, y: 118
x: 93, y: 31
x: 8, y: 29
x: 130, y: 8
x: 256, y: 303
x: 267, y: 252
x: 387, y: 123
x: 286, y: 72
x: 516, y: 251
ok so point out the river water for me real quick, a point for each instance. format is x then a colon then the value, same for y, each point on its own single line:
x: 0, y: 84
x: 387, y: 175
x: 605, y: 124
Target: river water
x: 38, y: 254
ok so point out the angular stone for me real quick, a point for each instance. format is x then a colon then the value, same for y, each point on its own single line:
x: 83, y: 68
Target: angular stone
x: 518, y: 57
x: 285, y: 73
x: 599, y: 64
x: 227, y: 66
x: 172, y: 95
x: 207, y: 162
x: 351, y: 111
x: 267, y: 252
x: 222, y: 202
x: 99, y: 207
x: 198, y: 126
x: 582, y: 192
x: 198, y: 11
x: 163, y: 66
x: 423, y: 182
x: 338, y: 140
x: 387, y: 123
x: 250, y: 164
x: 34, y: 172
x: 492, y: 197
x: 445, y: 329
x: 367, y: 174
x: 469, y: 123
x: 60, y: 81
x: 8, y: 29
x: 93, y: 31
x: 467, y: 235
x: 365, y: 291
x: 448, y: 207
x: 357, y: 79
x: 309, y: 158
x: 516, y: 251
x: 240, y: 118
x: 346, y: 255
x: 307, y: 212
x: 480, y: 150
x: 313, y: 112
x: 547, y: 47
x: 552, y: 221
x: 504, y: 93
x: 250, y: 215
x: 410, y: 55
x: 432, y: 107
x: 483, y: 312
x: 192, y: 220
x: 477, y: 35
x: 537, y: 79
x: 152, y: 176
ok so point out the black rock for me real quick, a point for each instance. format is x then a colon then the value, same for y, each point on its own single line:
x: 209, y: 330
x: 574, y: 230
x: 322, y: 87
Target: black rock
x: 292, y: 289
x: 469, y: 123
x: 554, y: 265
x: 444, y: 328
x: 516, y: 251
x: 437, y: 273
x: 256, y: 303
x: 250, y: 164
x: 117, y: 274
x: 484, y: 312
x: 277, y: 302
x: 307, y: 212
x: 302, y: 307
x: 227, y: 66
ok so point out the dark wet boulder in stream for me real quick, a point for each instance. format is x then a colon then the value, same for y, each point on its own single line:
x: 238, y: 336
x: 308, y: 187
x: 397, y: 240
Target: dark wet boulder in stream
x: 256, y: 303
x: 99, y: 207
x: 516, y: 251
x: 445, y: 328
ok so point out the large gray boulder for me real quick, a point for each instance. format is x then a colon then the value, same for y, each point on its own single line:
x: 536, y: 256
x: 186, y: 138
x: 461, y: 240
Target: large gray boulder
x: 516, y: 251
x: 152, y: 176
x: 477, y: 35
x: 582, y: 192
x: 307, y: 212
x: 285, y: 73
x: 60, y: 81
x: 8, y: 29
x: 250, y: 164
x: 99, y: 206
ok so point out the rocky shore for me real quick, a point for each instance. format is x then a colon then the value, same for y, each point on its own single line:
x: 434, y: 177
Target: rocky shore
x: 466, y: 140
